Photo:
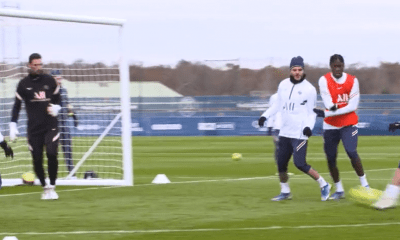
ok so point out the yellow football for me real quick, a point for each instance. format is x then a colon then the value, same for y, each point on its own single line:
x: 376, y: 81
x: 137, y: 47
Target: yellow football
x: 236, y: 156
x: 363, y: 195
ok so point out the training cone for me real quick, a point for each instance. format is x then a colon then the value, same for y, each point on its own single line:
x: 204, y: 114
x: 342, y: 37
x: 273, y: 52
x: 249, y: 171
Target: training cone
x: 10, y: 238
x: 161, y: 179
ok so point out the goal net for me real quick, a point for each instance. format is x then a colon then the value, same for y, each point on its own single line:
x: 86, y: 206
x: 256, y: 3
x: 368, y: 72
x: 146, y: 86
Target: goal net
x: 94, y: 123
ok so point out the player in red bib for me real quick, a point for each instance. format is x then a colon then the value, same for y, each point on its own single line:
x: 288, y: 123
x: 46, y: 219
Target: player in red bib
x: 341, y: 95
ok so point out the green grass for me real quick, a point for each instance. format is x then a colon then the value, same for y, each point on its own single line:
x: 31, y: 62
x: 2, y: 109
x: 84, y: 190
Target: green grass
x: 236, y: 205
x: 107, y: 153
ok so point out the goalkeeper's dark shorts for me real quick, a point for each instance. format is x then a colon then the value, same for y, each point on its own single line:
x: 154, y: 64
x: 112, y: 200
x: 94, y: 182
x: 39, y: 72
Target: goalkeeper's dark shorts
x: 49, y: 139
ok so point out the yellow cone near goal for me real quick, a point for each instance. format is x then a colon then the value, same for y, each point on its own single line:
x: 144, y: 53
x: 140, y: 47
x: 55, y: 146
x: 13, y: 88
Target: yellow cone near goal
x: 28, y: 178
x: 236, y: 156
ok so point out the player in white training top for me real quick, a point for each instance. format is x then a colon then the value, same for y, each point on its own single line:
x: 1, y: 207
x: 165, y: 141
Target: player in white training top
x: 296, y: 101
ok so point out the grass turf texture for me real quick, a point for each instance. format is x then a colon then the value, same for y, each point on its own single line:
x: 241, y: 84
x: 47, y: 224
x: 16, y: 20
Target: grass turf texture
x: 105, y: 160
x: 202, y: 197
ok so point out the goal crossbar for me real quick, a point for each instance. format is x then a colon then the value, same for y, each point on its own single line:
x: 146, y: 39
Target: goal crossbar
x: 60, y: 17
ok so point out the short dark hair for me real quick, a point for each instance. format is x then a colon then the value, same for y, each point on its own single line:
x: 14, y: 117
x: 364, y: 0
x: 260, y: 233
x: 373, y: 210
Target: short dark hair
x: 34, y: 56
x: 336, y: 57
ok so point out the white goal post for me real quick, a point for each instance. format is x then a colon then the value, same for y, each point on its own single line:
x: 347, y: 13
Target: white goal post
x: 123, y: 117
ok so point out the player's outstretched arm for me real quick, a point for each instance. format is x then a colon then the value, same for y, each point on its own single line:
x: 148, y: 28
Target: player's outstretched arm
x: 310, y: 115
x: 56, y: 97
x: 272, y: 110
x: 270, y: 121
x: 325, y: 94
x: 16, y: 109
x: 54, y: 106
x: 14, y: 117
x: 267, y: 114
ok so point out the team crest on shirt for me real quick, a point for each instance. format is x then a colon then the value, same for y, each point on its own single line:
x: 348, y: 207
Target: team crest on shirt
x: 40, y: 95
x: 300, y: 92
x: 46, y: 87
x: 342, y: 98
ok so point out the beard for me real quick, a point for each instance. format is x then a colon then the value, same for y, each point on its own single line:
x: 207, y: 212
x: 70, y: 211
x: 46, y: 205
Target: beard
x: 35, y: 72
x: 301, y: 79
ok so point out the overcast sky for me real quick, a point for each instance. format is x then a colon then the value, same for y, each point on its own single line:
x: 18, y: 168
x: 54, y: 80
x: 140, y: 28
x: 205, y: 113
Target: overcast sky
x: 257, y: 32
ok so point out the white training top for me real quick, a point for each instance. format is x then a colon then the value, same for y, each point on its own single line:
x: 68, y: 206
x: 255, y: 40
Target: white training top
x: 1, y: 138
x: 275, y: 120
x: 295, y: 102
x: 352, y: 106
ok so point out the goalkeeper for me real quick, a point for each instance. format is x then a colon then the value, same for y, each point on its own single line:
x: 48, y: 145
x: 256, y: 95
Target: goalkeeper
x: 7, y: 150
x: 41, y: 95
x: 65, y: 112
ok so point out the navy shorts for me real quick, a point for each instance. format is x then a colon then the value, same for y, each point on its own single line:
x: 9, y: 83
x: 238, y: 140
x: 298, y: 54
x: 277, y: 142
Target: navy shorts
x: 332, y: 137
x: 295, y: 147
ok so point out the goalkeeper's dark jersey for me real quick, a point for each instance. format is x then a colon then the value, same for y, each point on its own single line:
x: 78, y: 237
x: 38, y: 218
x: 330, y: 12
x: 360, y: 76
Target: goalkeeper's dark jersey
x: 37, y: 91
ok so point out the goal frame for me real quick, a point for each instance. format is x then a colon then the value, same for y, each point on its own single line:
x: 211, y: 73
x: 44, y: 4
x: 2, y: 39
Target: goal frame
x: 127, y: 161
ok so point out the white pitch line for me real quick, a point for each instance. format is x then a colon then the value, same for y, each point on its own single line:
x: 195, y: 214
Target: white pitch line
x: 200, y: 177
x: 67, y: 190
x: 228, y: 179
x: 203, y: 229
x: 373, y: 179
x: 377, y: 170
x: 265, y: 177
x: 187, y: 182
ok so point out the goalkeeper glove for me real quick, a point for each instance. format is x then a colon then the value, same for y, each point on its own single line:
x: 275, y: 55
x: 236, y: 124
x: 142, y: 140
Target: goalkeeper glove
x: 13, y: 131
x: 261, y: 121
x: 394, y: 126
x: 307, y: 132
x: 319, y: 112
x: 7, y: 149
x: 53, y: 109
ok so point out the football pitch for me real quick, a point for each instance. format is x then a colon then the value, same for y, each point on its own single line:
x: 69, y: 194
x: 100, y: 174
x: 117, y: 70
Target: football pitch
x: 210, y: 196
